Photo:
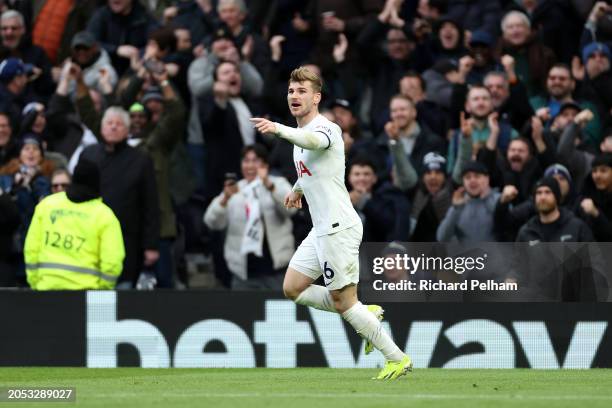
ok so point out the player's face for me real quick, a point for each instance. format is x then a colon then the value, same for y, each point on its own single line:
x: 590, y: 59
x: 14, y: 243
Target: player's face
x: 362, y: 178
x: 302, y: 98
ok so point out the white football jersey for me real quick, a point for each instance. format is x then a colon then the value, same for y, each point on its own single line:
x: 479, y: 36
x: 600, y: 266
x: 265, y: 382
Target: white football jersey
x: 321, y: 179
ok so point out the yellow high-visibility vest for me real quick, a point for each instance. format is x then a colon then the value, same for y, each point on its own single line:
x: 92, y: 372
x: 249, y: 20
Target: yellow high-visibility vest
x: 73, y: 245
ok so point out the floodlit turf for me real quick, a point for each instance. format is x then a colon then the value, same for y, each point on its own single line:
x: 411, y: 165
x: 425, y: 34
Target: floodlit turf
x: 317, y: 387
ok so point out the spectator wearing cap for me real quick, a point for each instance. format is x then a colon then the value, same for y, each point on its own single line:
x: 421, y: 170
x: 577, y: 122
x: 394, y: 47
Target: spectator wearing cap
x: 404, y: 135
x: 560, y: 86
x: 476, y: 14
x: 138, y: 120
x: 26, y: 179
x: 540, y: 270
x: 430, y: 195
x: 121, y: 27
x: 383, y: 208
x: 385, y: 69
x: 532, y: 59
x: 470, y: 216
x: 13, y: 92
x: 93, y: 60
x: 480, y: 48
x: 16, y: 44
x: 74, y: 241
x: 127, y: 186
x: 34, y: 122
x: 596, y: 85
x: 509, y: 218
x: 597, y: 198
x: 54, y: 24
x: 9, y: 148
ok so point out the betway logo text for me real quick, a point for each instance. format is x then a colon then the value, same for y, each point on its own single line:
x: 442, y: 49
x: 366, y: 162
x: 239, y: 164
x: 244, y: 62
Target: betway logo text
x: 281, y: 334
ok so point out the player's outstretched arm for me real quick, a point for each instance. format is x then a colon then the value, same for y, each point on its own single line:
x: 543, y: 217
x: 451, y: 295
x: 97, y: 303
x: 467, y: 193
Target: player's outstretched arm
x: 305, y: 139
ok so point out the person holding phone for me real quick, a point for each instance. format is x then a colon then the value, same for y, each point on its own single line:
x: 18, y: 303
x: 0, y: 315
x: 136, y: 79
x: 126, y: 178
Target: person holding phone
x: 258, y: 241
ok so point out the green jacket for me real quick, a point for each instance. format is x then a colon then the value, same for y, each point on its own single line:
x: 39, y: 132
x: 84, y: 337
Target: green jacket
x: 74, y: 246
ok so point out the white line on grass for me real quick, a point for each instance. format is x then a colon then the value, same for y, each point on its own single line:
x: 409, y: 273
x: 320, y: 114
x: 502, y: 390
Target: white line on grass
x: 407, y: 395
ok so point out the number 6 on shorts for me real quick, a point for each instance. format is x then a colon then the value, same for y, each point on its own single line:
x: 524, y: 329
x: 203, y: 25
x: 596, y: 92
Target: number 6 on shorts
x: 327, y: 272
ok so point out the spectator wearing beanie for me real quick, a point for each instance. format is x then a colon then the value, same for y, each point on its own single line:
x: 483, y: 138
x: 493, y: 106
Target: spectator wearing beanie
x: 540, y: 270
x: 430, y: 199
x: 552, y: 222
x: 509, y: 218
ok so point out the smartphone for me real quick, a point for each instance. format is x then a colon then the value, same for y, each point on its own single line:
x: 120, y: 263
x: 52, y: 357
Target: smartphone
x: 232, y: 177
x: 328, y: 14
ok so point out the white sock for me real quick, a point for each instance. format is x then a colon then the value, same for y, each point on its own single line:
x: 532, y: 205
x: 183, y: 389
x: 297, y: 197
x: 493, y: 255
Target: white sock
x: 368, y: 326
x: 318, y: 297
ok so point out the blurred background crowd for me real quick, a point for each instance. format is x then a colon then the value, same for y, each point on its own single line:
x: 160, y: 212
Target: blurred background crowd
x: 454, y: 114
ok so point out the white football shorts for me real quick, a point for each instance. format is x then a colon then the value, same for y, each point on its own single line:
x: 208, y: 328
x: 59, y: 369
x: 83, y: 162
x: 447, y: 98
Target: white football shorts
x: 335, y: 256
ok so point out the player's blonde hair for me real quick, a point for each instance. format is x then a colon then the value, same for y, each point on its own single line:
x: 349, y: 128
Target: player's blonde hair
x: 303, y: 74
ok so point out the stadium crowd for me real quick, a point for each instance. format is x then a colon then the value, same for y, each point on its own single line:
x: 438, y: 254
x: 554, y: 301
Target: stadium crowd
x: 463, y: 120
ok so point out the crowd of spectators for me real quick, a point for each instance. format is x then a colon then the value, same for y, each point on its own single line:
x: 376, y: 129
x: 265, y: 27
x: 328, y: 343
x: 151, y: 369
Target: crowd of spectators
x: 462, y: 120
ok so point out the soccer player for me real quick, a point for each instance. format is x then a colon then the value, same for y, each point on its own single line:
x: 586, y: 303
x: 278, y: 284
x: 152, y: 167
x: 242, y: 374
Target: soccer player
x: 331, y: 248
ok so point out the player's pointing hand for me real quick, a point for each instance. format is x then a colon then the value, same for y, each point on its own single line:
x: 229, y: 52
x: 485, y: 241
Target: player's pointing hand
x: 264, y: 126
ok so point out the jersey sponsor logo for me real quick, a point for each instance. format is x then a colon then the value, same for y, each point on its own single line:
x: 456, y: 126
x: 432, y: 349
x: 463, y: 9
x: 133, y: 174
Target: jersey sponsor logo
x: 301, y: 169
x: 55, y: 214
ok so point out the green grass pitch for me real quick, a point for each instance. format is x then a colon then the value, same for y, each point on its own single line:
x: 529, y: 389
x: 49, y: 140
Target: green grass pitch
x: 317, y: 387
